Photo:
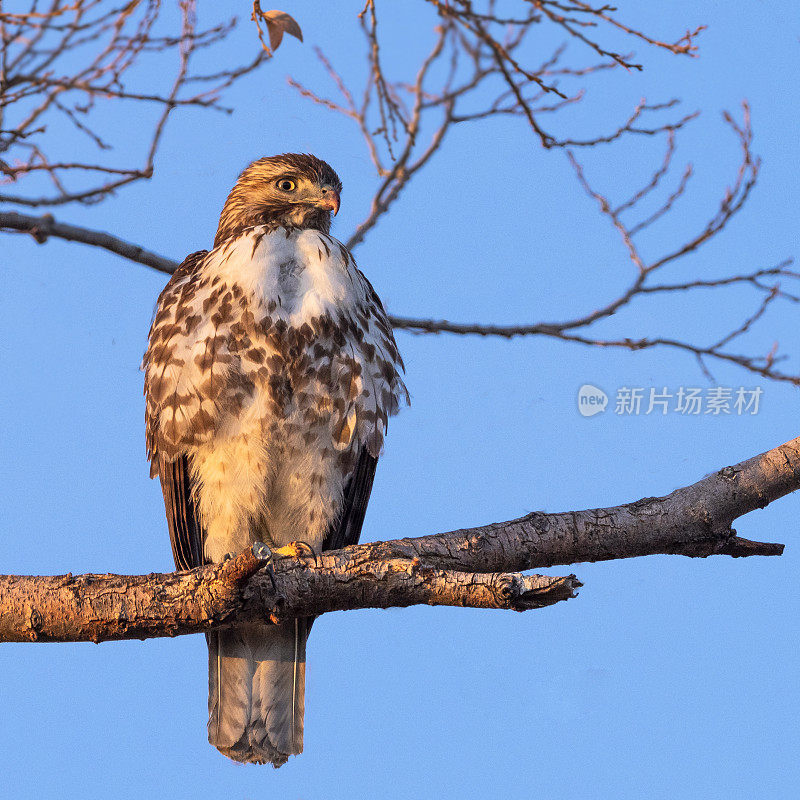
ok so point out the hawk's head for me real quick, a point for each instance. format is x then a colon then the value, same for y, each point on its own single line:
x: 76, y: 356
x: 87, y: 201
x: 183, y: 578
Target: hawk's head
x: 294, y: 190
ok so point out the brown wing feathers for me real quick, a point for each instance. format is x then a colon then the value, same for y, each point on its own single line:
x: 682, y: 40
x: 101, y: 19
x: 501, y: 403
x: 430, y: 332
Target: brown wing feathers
x: 347, y: 528
x: 182, y: 518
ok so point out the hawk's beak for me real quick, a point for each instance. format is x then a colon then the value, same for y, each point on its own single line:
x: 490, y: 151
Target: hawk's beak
x: 329, y: 201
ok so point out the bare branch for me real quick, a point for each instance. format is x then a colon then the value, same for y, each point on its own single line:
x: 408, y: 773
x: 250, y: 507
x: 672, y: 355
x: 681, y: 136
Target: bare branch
x: 68, y: 62
x: 102, y: 607
x: 578, y: 329
x: 41, y: 228
x: 403, y: 125
x: 393, y: 114
x: 584, y: 14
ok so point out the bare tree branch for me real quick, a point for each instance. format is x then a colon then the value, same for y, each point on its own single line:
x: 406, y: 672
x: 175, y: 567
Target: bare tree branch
x: 60, y: 66
x: 476, y: 567
x: 392, y: 115
x: 45, y: 226
x: 579, y: 21
x: 403, y: 124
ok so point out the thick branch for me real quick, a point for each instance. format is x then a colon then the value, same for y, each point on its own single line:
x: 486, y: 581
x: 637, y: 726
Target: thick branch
x: 693, y: 521
x: 102, y: 607
x: 475, y: 567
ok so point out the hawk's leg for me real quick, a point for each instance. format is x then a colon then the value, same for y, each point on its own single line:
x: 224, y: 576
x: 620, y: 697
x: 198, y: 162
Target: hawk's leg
x: 266, y: 554
x: 263, y: 552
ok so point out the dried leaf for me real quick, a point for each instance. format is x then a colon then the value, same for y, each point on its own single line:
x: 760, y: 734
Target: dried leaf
x: 278, y: 23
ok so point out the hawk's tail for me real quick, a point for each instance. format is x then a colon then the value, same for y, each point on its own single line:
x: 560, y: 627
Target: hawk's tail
x: 256, y: 687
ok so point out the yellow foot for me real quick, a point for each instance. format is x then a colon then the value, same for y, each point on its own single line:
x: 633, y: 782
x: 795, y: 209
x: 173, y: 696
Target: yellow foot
x: 295, y: 550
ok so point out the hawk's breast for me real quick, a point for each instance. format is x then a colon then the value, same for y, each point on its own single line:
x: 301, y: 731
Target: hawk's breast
x: 271, y: 365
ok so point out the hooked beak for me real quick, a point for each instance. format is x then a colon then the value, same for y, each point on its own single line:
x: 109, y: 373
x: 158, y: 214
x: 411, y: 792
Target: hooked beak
x: 329, y: 201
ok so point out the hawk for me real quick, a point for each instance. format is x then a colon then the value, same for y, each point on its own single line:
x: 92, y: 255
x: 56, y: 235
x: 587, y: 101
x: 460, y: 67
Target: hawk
x: 270, y: 373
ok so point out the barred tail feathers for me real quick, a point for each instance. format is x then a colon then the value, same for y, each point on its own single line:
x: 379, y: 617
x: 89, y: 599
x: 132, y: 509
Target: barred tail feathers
x: 256, y: 691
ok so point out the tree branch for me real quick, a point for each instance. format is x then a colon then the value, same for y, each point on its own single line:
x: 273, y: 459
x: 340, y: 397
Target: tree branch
x: 404, y: 124
x: 68, y: 63
x: 476, y: 567
x: 65, y: 608
x: 41, y: 228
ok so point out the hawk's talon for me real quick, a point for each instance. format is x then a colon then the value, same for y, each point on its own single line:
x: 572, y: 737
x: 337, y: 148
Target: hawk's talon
x: 263, y: 552
x: 311, y: 551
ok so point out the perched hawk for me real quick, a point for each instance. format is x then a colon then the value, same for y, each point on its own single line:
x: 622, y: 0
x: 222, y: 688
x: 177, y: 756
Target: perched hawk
x: 270, y: 373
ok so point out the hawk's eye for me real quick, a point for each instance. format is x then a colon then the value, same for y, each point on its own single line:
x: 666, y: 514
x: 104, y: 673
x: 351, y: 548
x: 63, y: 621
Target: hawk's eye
x: 285, y: 185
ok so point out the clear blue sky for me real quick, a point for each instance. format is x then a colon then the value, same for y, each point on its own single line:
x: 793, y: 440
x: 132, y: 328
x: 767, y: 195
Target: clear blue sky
x: 667, y: 677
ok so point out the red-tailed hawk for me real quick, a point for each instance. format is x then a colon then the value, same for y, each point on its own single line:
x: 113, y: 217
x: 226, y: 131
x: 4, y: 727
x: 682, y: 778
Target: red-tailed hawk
x: 270, y: 373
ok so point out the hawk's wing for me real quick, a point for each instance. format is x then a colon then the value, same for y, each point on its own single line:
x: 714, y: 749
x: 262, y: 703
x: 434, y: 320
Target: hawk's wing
x: 185, y: 532
x: 346, y: 529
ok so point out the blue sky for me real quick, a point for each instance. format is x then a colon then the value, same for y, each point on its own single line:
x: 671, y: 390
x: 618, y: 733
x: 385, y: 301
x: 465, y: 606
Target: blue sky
x: 667, y: 677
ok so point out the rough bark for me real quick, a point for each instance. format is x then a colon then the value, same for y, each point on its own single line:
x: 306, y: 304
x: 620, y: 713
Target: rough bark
x: 475, y: 567
x: 96, y: 608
